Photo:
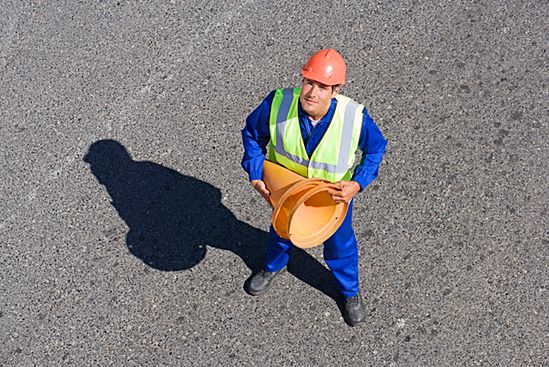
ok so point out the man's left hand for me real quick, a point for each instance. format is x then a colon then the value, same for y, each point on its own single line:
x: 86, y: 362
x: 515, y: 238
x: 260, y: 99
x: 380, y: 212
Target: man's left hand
x: 347, y: 190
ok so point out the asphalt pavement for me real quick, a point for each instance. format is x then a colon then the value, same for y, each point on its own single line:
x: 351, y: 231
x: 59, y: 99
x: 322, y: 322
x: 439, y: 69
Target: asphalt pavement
x: 128, y: 228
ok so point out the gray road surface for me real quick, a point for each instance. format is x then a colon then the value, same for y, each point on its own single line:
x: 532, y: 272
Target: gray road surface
x: 128, y: 229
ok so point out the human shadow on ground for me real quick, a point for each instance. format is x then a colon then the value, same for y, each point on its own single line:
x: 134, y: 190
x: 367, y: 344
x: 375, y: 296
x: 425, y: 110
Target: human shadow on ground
x: 173, y: 218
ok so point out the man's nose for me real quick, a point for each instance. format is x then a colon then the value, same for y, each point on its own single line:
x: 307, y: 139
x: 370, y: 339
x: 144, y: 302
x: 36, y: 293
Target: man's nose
x: 313, y: 91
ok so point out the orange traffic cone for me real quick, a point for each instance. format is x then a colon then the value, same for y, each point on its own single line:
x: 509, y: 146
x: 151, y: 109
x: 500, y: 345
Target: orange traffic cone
x: 304, y: 211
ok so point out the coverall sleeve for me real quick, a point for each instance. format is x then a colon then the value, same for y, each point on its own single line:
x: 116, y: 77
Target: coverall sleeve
x: 255, y: 137
x: 373, y: 144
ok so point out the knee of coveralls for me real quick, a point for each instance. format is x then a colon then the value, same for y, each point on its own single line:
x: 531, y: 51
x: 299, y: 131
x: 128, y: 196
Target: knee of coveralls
x: 341, y: 256
x: 278, y: 251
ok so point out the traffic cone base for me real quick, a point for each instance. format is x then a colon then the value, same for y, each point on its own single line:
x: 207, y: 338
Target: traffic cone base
x: 284, y: 210
x: 316, y: 217
x: 303, y: 209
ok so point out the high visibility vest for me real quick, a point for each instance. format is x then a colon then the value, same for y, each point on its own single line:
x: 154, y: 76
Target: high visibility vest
x: 334, y: 156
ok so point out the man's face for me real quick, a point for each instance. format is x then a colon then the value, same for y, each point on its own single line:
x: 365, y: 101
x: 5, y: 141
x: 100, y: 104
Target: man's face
x: 316, y: 97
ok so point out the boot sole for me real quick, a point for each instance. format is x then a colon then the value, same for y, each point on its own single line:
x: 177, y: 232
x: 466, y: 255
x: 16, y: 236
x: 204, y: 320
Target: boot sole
x: 254, y: 293
x: 353, y: 324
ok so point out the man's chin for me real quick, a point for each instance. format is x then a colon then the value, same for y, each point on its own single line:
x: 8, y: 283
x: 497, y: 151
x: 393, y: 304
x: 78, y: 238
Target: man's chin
x: 307, y: 109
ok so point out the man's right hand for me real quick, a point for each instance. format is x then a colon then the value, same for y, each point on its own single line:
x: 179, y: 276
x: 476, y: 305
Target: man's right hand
x: 260, y: 187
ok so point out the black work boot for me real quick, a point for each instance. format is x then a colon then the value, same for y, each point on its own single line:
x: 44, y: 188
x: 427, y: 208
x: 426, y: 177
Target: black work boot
x: 354, y: 311
x: 261, y: 282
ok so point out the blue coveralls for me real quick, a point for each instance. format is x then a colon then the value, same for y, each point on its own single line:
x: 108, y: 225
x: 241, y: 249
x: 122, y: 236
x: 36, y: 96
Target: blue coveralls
x: 340, y: 250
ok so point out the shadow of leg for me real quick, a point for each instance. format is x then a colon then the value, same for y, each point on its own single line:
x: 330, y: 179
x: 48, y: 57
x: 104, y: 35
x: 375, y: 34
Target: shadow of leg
x: 307, y: 269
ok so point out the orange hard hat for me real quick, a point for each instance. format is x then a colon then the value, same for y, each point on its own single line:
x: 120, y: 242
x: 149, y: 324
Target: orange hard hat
x: 326, y: 67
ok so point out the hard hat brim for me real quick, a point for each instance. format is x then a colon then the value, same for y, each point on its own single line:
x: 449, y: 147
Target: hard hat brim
x: 321, y: 78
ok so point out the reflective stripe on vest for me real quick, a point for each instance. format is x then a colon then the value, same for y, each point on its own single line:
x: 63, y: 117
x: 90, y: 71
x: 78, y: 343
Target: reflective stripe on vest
x: 342, y: 139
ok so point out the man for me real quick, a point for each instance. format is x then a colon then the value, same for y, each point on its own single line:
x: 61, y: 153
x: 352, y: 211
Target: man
x: 315, y: 132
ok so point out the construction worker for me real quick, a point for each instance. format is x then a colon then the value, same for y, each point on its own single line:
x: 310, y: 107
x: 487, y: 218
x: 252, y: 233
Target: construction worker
x: 318, y: 132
